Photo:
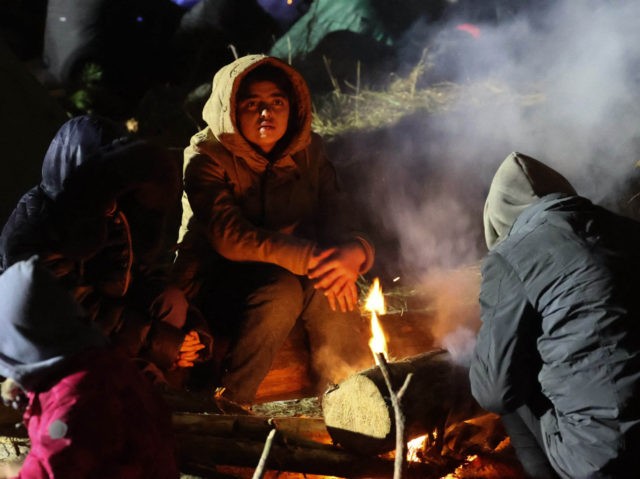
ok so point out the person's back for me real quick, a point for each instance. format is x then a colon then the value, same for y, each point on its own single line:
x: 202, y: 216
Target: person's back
x: 578, y: 264
x: 560, y: 334
x: 90, y: 413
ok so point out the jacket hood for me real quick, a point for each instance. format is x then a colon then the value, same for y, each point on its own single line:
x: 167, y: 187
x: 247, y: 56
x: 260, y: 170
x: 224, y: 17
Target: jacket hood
x: 219, y: 111
x: 519, y: 182
x: 40, y: 324
x: 76, y: 142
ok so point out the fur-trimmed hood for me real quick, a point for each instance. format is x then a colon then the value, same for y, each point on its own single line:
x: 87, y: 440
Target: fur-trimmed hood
x: 219, y: 111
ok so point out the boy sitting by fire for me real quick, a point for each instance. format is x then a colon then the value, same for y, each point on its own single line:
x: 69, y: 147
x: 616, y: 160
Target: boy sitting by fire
x: 558, y: 353
x: 265, y: 236
x: 97, y: 221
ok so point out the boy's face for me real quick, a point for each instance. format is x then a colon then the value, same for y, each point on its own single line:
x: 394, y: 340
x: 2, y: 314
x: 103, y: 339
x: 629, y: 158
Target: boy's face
x: 263, y: 114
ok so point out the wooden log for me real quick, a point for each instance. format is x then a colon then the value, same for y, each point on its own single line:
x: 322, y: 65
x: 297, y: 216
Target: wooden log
x: 292, y: 430
x: 359, y: 416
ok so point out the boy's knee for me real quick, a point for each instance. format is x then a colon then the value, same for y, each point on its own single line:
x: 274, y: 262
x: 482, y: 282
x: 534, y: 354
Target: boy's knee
x: 282, y: 288
x: 171, y: 307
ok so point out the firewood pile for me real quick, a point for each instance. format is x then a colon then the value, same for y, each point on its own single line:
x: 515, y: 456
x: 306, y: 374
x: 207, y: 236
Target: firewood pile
x: 448, y: 436
x: 351, y: 432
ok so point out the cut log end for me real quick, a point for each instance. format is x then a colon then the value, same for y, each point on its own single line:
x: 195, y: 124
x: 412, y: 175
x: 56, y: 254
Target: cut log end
x: 359, y: 402
x: 358, y: 412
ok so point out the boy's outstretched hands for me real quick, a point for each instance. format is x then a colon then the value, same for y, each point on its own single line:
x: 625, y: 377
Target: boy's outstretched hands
x: 335, y: 270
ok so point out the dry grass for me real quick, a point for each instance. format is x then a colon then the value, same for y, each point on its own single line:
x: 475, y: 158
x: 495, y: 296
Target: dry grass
x: 338, y: 113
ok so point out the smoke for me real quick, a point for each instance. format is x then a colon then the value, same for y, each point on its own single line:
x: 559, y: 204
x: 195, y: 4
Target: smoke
x: 460, y: 343
x: 582, y: 58
x: 556, y: 80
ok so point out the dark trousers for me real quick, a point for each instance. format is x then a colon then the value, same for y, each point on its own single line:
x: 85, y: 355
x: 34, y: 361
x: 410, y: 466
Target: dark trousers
x: 523, y: 428
x: 256, y: 305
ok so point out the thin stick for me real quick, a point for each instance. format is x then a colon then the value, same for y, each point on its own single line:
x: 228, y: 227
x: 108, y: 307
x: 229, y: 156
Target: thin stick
x: 400, y: 463
x: 233, y: 50
x: 334, y: 80
x: 357, y: 91
x: 262, y: 464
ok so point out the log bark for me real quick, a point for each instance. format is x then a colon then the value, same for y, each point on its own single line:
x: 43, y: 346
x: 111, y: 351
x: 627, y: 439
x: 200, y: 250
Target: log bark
x: 359, y: 415
x: 291, y: 430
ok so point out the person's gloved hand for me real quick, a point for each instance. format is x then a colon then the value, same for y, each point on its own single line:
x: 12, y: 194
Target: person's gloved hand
x: 12, y: 394
x: 189, y: 350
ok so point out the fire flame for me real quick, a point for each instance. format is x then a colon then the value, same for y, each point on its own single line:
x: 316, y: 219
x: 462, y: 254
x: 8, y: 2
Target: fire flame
x: 375, y: 304
x: 415, y: 447
x: 289, y: 2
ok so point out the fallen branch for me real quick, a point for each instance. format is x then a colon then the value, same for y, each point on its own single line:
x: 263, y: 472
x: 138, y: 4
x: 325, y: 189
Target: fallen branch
x: 400, y: 462
x: 259, y: 472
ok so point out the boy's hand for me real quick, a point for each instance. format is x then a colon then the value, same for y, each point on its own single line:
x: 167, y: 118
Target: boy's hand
x: 189, y: 350
x: 335, y: 271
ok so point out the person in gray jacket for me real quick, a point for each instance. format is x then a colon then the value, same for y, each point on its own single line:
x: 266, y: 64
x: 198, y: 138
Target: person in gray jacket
x: 558, y: 352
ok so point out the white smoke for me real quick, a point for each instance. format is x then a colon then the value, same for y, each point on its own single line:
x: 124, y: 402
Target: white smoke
x: 582, y: 58
x: 560, y: 84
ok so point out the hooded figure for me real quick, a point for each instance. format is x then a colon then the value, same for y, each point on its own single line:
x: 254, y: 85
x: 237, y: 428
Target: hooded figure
x: 90, y: 413
x: 263, y: 216
x: 558, y: 353
x: 97, y: 221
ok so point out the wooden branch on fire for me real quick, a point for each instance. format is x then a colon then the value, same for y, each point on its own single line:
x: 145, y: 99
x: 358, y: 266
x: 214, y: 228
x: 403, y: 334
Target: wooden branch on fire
x: 359, y: 416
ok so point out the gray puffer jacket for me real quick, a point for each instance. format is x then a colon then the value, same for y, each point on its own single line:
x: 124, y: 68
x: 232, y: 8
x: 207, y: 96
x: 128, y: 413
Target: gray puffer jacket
x: 560, y: 311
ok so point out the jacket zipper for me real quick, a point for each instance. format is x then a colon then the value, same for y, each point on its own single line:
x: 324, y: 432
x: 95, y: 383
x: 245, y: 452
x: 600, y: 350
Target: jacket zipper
x: 263, y: 193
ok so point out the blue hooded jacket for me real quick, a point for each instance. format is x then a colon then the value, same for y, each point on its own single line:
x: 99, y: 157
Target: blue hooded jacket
x: 41, y: 325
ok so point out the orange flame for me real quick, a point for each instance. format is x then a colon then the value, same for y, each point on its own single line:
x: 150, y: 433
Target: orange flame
x: 375, y: 304
x: 289, y: 2
x: 415, y: 447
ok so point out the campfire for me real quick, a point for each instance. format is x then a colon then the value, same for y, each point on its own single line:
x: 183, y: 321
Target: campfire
x: 353, y: 430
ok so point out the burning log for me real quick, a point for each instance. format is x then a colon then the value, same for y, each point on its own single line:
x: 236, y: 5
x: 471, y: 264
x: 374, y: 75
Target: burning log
x: 300, y: 445
x: 358, y: 414
x: 203, y: 454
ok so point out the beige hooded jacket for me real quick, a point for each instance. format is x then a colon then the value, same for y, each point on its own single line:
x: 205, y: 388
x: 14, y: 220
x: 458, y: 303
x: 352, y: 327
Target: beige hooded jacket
x: 238, y: 204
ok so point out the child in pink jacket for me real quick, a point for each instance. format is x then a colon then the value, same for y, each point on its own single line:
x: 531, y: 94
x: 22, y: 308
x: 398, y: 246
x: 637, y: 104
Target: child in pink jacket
x: 90, y: 413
